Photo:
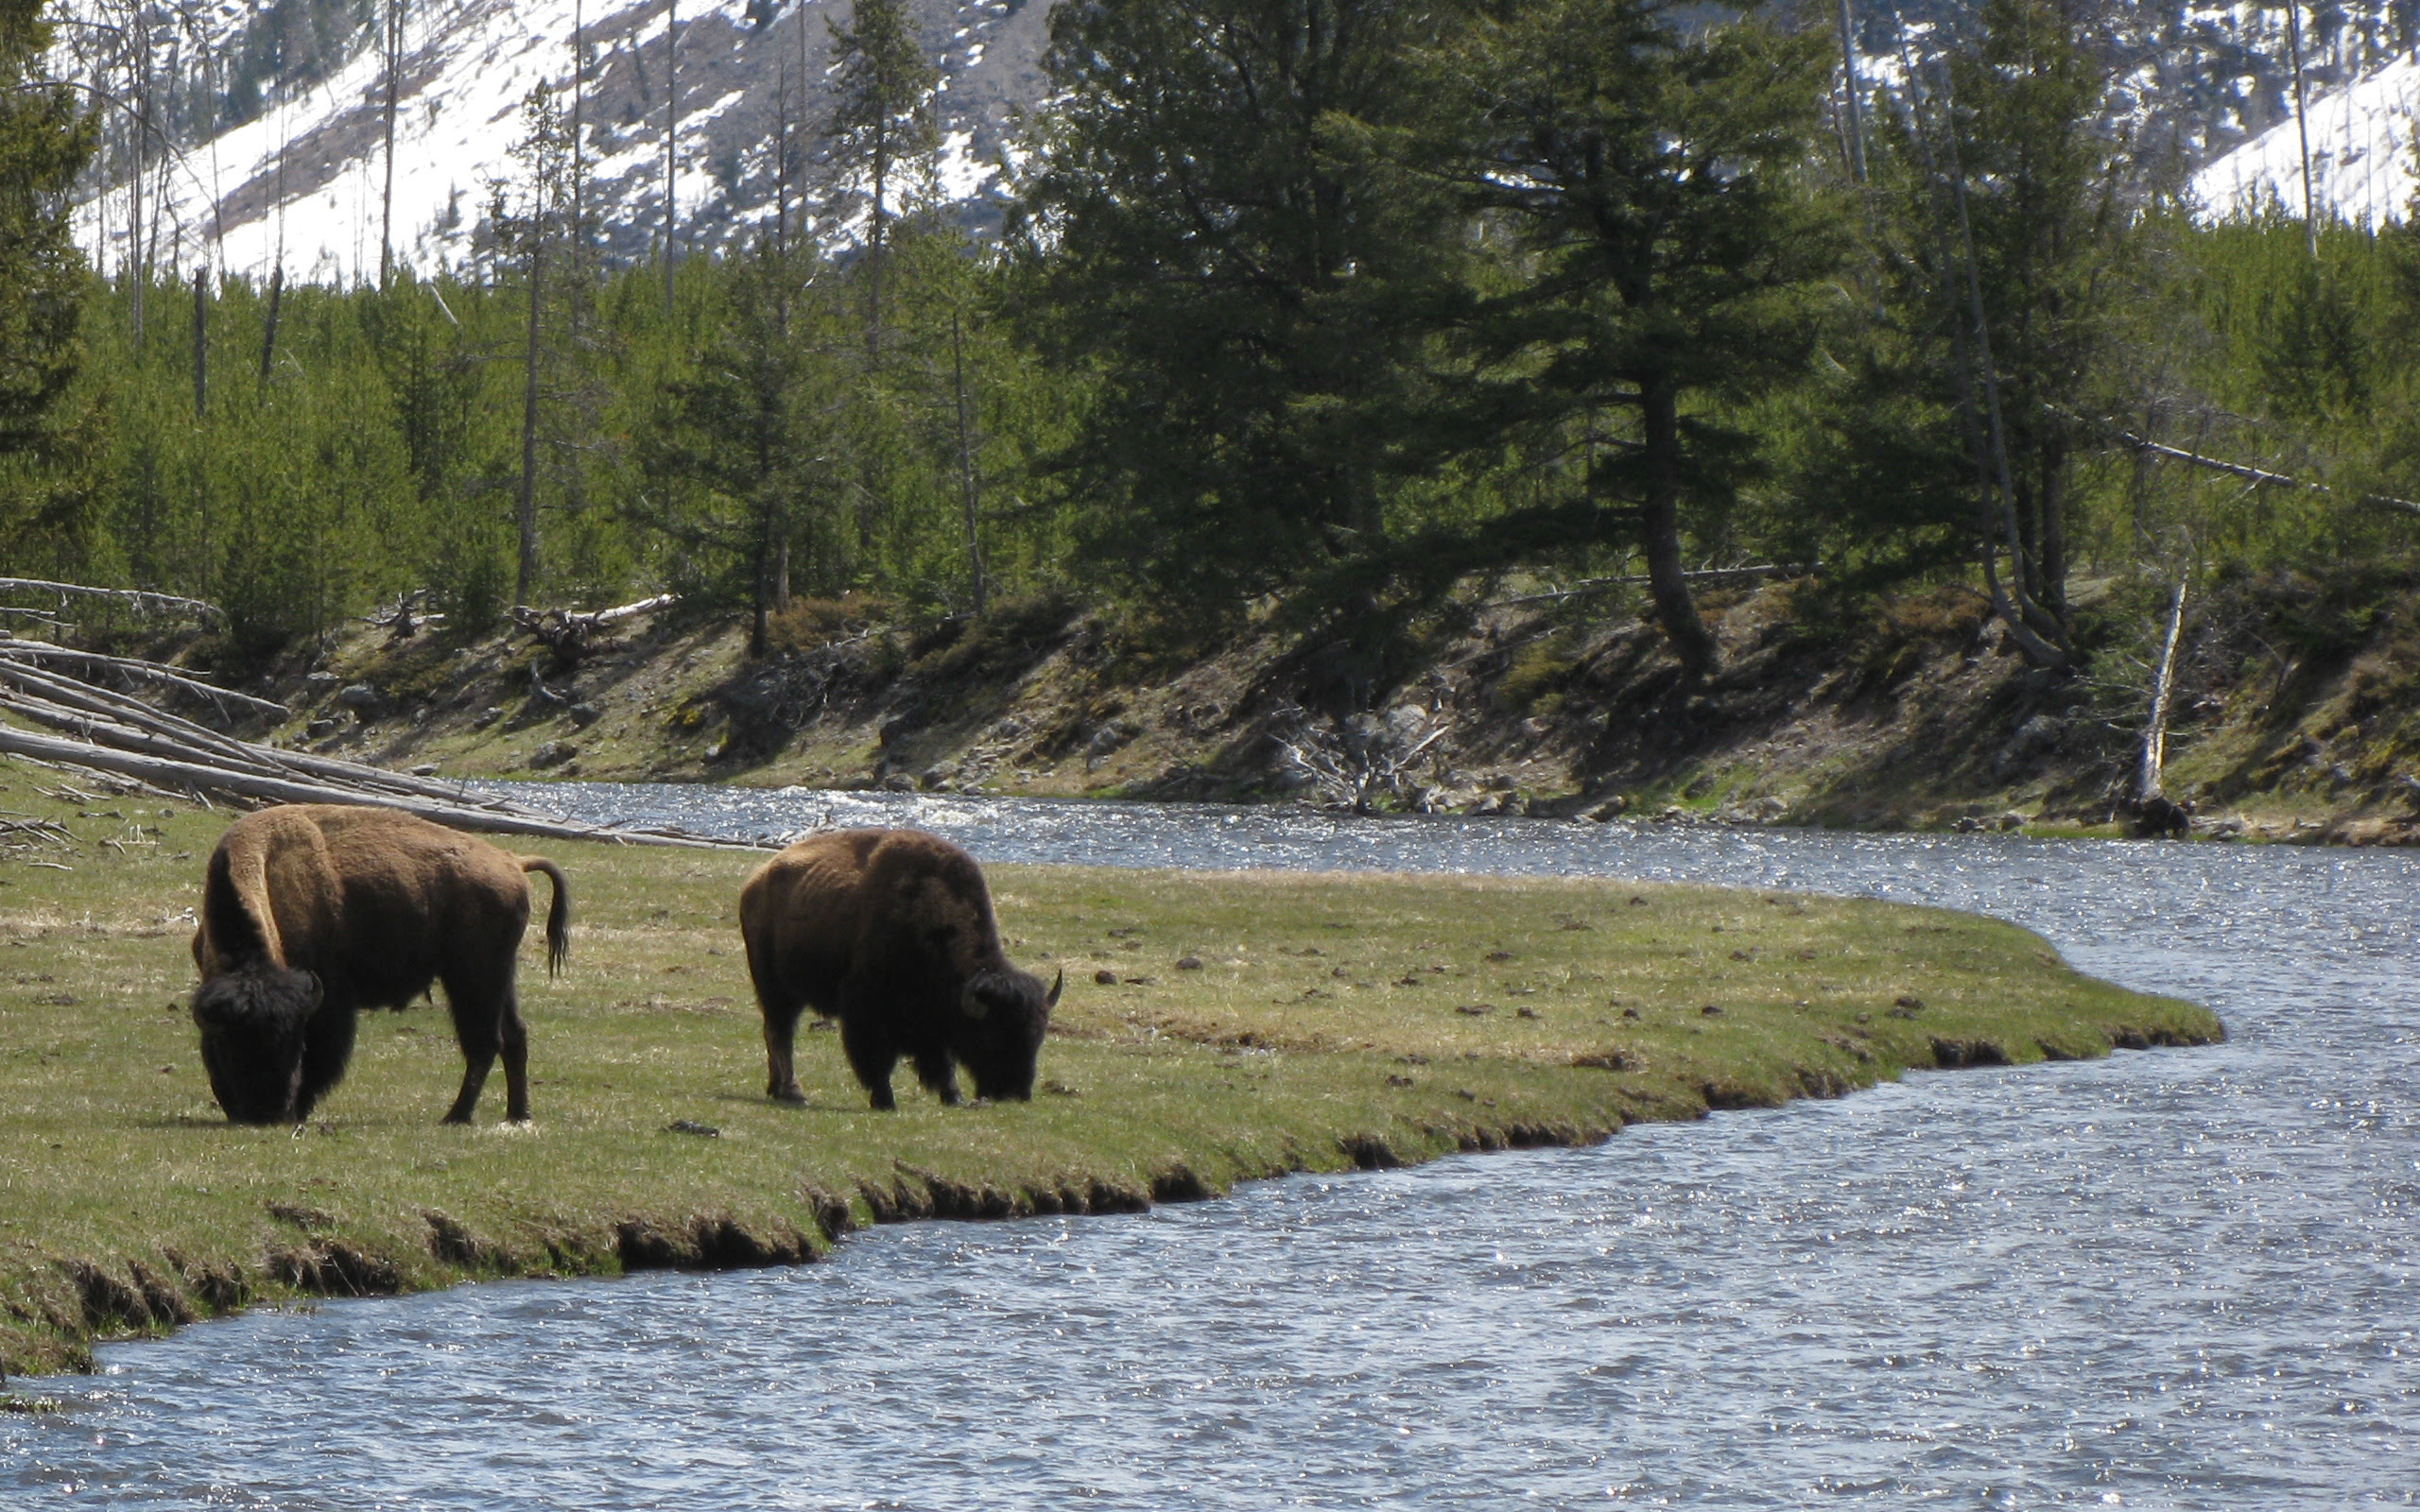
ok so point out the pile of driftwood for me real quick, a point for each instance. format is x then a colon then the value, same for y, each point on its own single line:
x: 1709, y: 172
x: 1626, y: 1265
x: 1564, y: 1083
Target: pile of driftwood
x: 102, y: 729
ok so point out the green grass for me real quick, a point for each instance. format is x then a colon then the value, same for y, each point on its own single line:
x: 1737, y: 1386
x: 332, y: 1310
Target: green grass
x: 1324, y: 1026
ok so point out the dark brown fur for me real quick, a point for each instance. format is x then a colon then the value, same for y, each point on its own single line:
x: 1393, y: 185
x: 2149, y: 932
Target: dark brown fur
x: 311, y: 912
x: 890, y: 932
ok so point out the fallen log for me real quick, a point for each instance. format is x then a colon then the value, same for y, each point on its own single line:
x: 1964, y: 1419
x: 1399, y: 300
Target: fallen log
x: 1708, y: 575
x: 567, y: 631
x: 140, y: 598
x: 287, y: 790
x: 127, y: 724
x: 2260, y: 475
x: 12, y: 647
x: 116, y: 707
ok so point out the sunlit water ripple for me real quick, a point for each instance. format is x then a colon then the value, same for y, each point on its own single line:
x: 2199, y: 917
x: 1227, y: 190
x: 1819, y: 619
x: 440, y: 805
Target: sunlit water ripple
x: 2181, y: 1279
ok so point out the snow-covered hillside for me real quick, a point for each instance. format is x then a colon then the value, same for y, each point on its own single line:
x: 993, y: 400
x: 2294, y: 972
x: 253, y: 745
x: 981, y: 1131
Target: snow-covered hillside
x: 2362, y: 156
x: 266, y: 143
x: 302, y: 184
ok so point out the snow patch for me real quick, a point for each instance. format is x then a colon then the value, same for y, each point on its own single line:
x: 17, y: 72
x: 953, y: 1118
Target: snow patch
x: 2361, y: 157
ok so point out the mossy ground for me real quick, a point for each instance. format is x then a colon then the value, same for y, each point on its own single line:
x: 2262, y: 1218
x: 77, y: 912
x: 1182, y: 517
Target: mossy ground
x: 1249, y: 1023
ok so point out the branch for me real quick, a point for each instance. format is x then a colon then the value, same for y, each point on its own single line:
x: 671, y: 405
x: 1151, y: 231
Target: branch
x: 1714, y: 575
x: 2261, y: 476
x: 140, y: 598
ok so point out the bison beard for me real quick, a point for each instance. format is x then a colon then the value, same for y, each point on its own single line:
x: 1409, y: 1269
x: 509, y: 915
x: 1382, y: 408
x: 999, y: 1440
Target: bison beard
x: 890, y: 932
x: 310, y: 913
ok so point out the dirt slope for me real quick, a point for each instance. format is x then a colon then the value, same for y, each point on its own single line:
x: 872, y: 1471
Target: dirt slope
x: 2290, y: 720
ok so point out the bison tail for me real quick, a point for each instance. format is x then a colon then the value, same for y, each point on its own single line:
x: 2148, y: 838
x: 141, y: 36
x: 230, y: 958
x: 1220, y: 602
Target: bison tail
x: 557, y: 915
x: 236, y: 907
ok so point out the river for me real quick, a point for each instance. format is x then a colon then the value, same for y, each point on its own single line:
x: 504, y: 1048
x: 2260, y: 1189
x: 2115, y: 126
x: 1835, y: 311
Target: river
x: 2175, y: 1278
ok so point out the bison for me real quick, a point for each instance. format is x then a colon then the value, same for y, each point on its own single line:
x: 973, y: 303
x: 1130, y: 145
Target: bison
x: 310, y: 912
x: 890, y: 932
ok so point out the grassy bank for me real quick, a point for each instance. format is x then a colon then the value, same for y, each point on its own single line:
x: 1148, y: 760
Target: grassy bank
x: 1216, y: 1028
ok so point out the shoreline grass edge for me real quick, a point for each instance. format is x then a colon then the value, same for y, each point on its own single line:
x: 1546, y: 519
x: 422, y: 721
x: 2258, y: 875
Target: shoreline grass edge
x: 1219, y: 1028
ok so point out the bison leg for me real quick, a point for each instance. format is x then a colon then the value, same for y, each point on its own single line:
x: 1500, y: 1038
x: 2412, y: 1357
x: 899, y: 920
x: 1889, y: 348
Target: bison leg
x: 938, y: 1071
x: 872, y: 1054
x: 474, y: 1078
x: 487, y: 1020
x: 781, y: 1066
x: 516, y: 1060
x: 781, y: 1009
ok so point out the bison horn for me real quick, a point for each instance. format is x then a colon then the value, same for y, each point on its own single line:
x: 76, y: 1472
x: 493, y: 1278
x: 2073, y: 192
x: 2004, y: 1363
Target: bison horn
x: 1056, y: 983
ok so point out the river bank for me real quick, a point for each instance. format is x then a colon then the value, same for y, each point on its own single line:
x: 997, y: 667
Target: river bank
x: 1324, y: 1024
x: 2294, y: 718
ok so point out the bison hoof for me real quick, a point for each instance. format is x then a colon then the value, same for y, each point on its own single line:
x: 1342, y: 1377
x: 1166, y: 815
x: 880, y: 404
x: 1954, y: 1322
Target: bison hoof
x: 786, y: 1094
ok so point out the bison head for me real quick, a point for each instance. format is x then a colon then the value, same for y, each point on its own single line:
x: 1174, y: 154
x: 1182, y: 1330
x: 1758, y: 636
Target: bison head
x: 1007, y: 1012
x: 251, y: 1040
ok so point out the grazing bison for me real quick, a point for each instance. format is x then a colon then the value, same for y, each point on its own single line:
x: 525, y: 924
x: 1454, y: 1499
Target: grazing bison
x: 890, y: 932
x: 310, y: 912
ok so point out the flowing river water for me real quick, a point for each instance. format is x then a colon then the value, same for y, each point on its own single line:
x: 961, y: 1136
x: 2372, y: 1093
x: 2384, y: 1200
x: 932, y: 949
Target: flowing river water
x: 2173, y: 1279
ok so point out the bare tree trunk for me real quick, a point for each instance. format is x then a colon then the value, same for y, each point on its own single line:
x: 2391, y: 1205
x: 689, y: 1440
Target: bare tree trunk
x: 579, y: 94
x: 201, y: 342
x: 781, y: 156
x: 764, y: 584
x: 525, y: 577
x: 2147, y: 775
x: 966, y: 464
x: 395, y: 47
x: 877, y: 244
x: 2055, y: 478
x: 1666, y: 582
x: 2302, y: 124
x: 134, y: 223
x: 671, y: 125
x: 269, y: 330
x: 1856, y: 111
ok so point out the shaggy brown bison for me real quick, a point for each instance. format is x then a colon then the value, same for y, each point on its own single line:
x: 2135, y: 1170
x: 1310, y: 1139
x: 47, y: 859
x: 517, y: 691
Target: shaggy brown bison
x: 890, y: 932
x: 310, y: 912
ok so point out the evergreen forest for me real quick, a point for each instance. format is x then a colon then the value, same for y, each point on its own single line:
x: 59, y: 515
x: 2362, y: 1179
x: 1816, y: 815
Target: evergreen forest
x: 1316, y: 308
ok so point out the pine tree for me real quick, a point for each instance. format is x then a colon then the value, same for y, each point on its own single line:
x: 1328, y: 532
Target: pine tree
x: 740, y: 450
x: 1647, y: 169
x: 44, y: 141
x: 538, y: 230
x: 881, y: 130
x: 2011, y: 220
x: 1214, y: 232
x: 881, y: 142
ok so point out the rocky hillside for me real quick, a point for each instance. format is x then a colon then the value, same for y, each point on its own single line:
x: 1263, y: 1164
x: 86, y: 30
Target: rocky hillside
x: 2298, y: 715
